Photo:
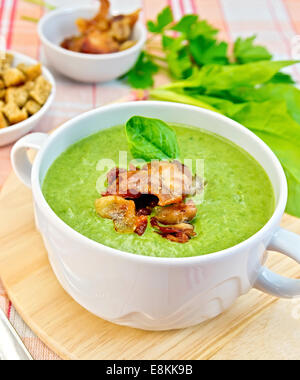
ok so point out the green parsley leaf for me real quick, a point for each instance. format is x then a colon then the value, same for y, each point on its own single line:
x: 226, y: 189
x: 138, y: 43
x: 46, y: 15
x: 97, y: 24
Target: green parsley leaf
x: 208, y: 51
x: 185, y: 24
x: 202, y: 28
x: 141, y: 76
x: 245, y: 51
x: 178, y: 57
x: 164, y: 19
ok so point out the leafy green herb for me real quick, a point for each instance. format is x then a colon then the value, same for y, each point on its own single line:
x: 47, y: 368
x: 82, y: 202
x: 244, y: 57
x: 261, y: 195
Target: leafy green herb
x: 177, y: 56
x: 208, y: 51
x: 274, y: 92
x: 151, y: 139
x: 141, y: 76
x: 185, y: 24
x: 214, y: 78
x: 282, y: 78
x: 202, y: 28
x: 245, y: 51
x: 191, y: 27
x: 164, y: 19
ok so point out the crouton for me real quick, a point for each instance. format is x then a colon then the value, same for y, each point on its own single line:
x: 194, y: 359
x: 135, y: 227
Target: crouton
x: 2, y: 94
x: 9, y: 58
x: 2, y: 104
x: 32, y: 107
x: 2, y: 86
x: 41, y: 91
x: 29, y: 86
x: 14, y: 114
x: 31, y: 72
x: 13, y: 77
x: 7, y: 61
x: 3, y: 121
x: 18, y: 95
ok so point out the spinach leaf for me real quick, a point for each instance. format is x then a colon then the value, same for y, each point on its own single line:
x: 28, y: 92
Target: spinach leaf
x: 275, y: 92
x: 282, y: 134
x: 151, y: 139
x: 282, y: 78
x: 289, y: 156
x: 216, y: 78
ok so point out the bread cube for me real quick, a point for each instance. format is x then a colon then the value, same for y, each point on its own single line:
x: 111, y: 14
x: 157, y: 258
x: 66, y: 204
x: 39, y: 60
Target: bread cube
x: 13, y: 77
x: 32, y: 107
x: 9, y: 58
x: 41, y: 91
x: 29, y: 86
x: 2, y: 86
x: 3, y: 121
x: 31, y: 72
x: 18, y: 95
x: 2, y: 94
x: 14, y: 114
x: 7, y: 61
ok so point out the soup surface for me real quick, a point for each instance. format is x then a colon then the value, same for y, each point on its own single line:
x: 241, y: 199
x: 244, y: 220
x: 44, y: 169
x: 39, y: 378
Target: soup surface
x: 238, y: 198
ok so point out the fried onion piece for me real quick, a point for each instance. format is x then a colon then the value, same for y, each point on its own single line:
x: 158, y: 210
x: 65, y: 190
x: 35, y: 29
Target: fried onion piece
x: 179, y: 233
x: 122, y: 25
x: 141, y: 225
x: 120, y: 210
x: 113, y: 174
x: 177, y: 213
x: 100, y: 21
x: 145, y: 204
x: 171, y: 182
x: 73, y: 43
x: 98, y: 42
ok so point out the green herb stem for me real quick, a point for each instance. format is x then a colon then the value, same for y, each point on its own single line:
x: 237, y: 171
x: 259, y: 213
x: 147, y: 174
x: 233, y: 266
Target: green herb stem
x: 30, y: 19
x: 41, y: 3
x: 157, y: 57
x: 171, y: 96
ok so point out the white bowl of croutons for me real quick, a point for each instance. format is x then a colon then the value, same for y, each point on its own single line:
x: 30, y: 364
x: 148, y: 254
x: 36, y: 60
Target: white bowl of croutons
x: 92, y: 55
x: 27, y: 91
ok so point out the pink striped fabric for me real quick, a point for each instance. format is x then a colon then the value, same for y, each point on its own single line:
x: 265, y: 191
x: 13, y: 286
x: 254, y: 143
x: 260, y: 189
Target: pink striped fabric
x: 275, y: 22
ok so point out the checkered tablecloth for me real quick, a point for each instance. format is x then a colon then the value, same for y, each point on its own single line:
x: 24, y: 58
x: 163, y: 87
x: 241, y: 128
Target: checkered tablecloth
x: 276, y: 22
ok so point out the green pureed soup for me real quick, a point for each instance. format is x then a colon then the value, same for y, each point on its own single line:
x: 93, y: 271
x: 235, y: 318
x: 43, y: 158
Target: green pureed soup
x: 238, y: 198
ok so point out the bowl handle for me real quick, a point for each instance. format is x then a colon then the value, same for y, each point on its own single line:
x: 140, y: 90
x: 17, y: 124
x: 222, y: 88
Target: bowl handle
x: 288, y: 243
x: 19, y: 158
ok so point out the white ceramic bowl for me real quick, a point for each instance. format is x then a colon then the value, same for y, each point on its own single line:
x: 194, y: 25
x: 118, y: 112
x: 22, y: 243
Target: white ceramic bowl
x: 57, y: 25
x: 147, y: 292
x: 13, y: 133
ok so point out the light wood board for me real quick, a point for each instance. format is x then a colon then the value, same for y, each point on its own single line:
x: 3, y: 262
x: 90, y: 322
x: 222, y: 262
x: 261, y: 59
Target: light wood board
x: 258, y: 326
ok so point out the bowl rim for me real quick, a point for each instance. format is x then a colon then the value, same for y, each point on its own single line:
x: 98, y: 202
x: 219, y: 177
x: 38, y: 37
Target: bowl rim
x: 44, y: 108
x: 94, y: 57
x: 260, y: 236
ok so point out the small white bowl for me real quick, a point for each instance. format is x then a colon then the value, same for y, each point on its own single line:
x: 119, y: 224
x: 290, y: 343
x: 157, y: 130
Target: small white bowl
x: 57, y: 25
x: 13, y: 133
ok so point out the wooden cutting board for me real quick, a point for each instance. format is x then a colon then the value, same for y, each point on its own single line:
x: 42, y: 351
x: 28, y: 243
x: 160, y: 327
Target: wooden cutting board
x: 257, y: 327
